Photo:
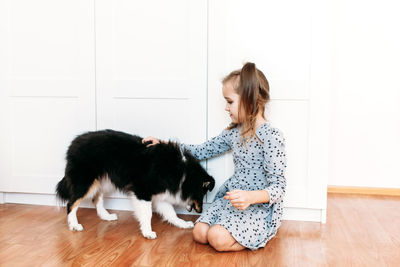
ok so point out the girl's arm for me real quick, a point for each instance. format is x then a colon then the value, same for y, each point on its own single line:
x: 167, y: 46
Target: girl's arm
x: 275, y: 165
x: 210, y: 148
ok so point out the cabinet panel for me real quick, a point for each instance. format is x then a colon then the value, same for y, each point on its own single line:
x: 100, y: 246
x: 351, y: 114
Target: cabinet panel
x: 276, y: 35
x: 47, y: 89
x: 159, y: 116
x: 151, y: 68
x: 292, y: 118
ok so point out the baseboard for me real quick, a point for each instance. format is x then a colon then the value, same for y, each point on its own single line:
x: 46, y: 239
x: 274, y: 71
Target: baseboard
x: 114, y: 203
x: 364, y: 190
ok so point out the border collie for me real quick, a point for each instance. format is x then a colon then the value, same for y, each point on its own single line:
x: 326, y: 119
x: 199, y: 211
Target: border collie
x: 155, y: 177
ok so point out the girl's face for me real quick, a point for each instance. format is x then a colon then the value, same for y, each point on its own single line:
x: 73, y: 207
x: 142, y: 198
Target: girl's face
x: 232, y: 101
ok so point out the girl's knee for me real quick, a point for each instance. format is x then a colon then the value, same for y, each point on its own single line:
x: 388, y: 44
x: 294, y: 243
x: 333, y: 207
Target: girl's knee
x: 219, y: 238
x: 200, y: 233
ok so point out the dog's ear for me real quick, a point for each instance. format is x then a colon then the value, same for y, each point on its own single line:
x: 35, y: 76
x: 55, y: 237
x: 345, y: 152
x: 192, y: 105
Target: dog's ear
x: 208, y: 185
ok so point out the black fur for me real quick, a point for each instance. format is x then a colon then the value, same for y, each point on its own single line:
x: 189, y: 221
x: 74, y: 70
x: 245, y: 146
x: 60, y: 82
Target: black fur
x: 131, y: 167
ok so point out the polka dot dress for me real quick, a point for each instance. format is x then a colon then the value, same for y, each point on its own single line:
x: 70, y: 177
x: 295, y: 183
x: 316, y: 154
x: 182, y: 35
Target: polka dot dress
x: 259, y: 165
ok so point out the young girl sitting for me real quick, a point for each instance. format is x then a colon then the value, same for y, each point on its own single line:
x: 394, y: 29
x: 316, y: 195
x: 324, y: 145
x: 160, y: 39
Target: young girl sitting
x: 247, y: 209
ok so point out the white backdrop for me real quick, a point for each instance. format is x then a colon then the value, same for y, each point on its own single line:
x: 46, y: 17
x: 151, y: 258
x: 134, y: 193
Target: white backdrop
x: 334, y: 87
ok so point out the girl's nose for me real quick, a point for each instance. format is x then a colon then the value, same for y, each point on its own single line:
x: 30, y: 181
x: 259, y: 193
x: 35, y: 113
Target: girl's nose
x: 227, y: 108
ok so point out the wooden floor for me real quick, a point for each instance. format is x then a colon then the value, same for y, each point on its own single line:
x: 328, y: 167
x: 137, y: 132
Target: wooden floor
x: 360, y: 231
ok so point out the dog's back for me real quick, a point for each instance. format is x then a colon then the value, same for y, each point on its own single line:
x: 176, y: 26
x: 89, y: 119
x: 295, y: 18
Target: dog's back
x: 104, y: 148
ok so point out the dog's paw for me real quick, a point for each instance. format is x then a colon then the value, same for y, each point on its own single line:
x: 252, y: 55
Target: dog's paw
x: 185, y: 224
x: 113, y: 217
x: 150, y: 235
x: 110, y: 217
x: 76, y: 227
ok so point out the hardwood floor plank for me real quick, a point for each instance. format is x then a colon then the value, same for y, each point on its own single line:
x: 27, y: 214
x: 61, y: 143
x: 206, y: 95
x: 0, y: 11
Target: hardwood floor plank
x: 360, y: 231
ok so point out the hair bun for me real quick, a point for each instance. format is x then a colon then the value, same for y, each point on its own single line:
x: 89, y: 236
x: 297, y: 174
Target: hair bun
x: 249, y: 66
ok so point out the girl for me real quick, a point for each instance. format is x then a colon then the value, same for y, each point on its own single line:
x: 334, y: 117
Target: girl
x: 247, y: 209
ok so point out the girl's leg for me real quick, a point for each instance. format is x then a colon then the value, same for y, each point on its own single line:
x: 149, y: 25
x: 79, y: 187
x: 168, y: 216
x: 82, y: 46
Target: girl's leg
x: 221, y: 240
x: 200, y: 232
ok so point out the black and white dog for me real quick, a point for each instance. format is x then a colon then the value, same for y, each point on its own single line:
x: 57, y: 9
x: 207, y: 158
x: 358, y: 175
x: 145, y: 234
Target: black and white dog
x: 155, y: 177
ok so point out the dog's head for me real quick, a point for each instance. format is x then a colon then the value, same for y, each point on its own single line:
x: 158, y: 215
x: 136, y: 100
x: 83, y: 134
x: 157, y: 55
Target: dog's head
x: 196, y: 184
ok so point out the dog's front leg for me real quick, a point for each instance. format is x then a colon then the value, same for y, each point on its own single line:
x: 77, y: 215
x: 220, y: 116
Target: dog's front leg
x: 167, y: 211
x: 143, y: 212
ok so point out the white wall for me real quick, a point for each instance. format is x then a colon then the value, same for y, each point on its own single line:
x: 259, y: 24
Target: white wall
x: 365, y: 122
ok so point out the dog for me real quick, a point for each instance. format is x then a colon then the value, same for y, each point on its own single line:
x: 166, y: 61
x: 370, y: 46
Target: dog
x: 156, y: 177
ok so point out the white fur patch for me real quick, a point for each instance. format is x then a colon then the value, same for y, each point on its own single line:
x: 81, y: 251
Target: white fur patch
x: 106, y: 185
x: 163, y: 204
x: 167, y: 211
x: 102, y: 212
x: 174, y: 199
x: 143, y: 212
x: 183, y: 155
x: 73, y: 221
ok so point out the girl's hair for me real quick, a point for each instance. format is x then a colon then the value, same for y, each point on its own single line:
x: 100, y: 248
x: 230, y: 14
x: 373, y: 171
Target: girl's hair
x: 253, y: 88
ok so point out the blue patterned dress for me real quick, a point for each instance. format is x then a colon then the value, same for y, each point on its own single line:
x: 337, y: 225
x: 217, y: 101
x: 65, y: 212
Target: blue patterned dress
x: 259, y: 165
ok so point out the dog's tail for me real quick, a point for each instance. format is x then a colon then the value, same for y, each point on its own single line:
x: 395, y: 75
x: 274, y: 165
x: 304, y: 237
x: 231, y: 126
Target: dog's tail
x: 62, y: 190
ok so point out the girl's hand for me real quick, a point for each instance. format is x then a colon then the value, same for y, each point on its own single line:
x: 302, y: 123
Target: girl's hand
x: 240, y: 199
x: 152, y: 141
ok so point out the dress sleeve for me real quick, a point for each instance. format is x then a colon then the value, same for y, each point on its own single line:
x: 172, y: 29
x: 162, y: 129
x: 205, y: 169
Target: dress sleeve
x: 210, y: 148
x: 275, y: 165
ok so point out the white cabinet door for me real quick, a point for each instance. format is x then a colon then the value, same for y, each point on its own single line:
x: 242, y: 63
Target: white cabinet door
x: 287, y: 41
x: 151, y: 68
x: 47, y: 88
